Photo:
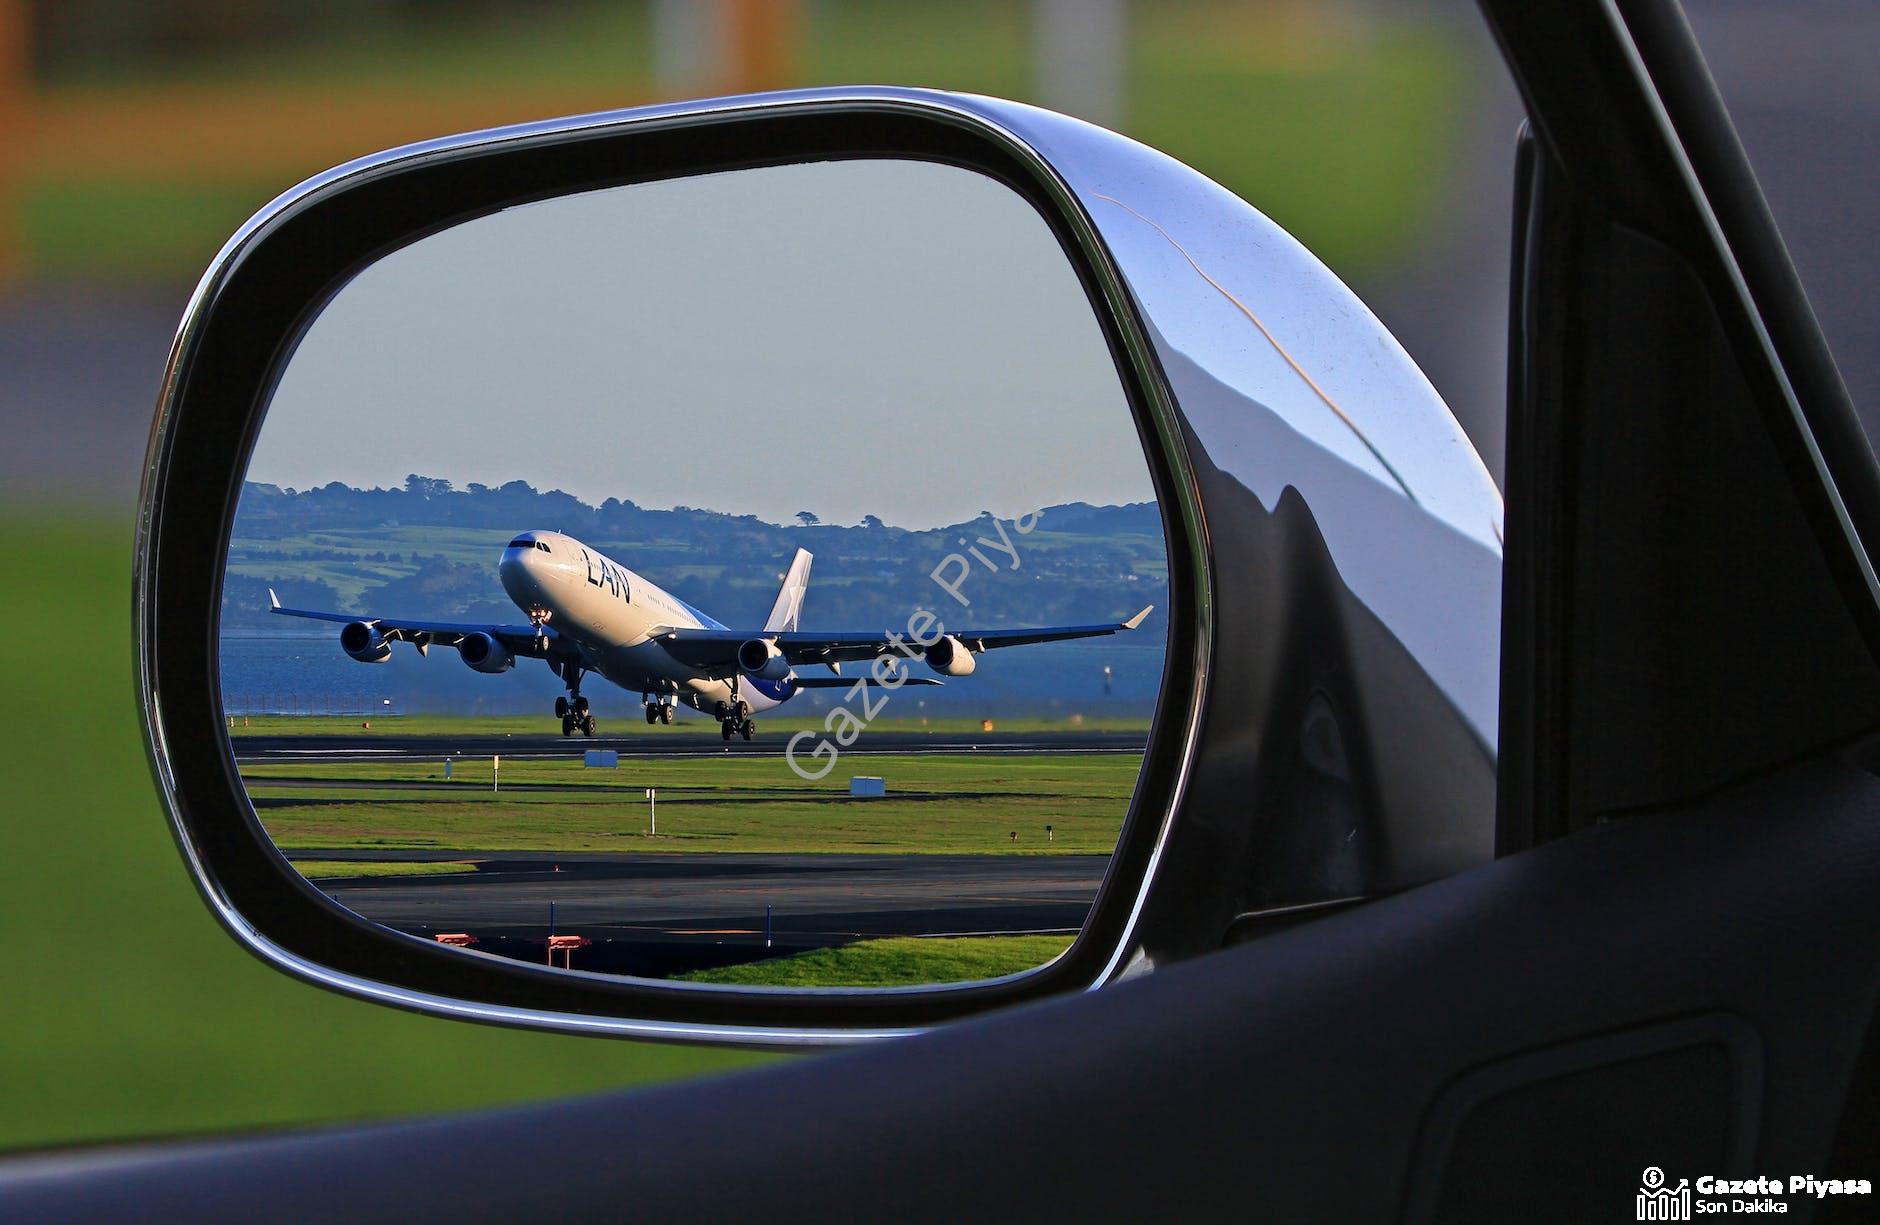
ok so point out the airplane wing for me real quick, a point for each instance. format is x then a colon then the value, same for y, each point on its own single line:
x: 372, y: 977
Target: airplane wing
x: 714, y: 651
x: 522, y: 640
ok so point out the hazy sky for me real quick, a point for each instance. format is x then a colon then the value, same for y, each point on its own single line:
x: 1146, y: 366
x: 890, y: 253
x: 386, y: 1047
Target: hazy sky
x: 867, y: 337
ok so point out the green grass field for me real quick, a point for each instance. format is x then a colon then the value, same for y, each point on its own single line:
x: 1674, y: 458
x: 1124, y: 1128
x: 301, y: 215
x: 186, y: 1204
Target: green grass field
x: 352, y: 561
x: 126, y: 1011
x: 338, y: 869
x: 907, y: 961
x: 935, y: 805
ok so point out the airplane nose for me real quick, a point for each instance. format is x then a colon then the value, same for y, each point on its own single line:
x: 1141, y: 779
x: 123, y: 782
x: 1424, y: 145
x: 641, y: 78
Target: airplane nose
x: 520, y: 574
x: 530, y: 574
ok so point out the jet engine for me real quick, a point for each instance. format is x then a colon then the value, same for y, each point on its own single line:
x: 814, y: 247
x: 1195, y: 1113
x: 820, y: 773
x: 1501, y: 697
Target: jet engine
x: 950, y: 657
x: 485, y: 654
x: 761, y: 658
x: 364, y: 643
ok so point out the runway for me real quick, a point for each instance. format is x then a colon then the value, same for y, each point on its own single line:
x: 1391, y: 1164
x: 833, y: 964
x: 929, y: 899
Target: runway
x: 702, y: 741
x: 658, y: 913
x: 655, y: 913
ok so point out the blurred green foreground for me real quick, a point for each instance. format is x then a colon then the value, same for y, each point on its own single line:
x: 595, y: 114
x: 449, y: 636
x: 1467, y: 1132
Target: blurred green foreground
x: 125, y: 1011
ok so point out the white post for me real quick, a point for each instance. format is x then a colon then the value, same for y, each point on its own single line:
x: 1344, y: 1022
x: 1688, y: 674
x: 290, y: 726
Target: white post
x: 652, y: 813
x: 688, y: 45
x: 496, y: 772
x: 1079, y: 56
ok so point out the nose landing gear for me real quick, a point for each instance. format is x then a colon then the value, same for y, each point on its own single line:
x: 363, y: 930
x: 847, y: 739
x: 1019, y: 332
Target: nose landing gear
x: 658, y: 711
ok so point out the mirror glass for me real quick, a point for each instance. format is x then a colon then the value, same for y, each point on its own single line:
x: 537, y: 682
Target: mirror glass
x: 747, y: 578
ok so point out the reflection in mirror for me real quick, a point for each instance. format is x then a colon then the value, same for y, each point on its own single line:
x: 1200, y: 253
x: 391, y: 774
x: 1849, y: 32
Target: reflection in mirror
x: 750, y: 578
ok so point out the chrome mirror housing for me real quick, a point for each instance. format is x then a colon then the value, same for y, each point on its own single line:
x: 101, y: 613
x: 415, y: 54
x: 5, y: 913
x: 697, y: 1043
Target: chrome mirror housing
x: 1346, y: 740
x: 1325, y: 730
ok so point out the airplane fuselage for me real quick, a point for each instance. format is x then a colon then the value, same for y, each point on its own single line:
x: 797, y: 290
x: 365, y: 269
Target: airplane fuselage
x: 608, y: 614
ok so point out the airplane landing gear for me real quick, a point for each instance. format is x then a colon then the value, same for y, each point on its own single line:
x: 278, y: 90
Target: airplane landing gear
x: 572, y: 711
x: 735, y: 720
x: 575, y: 716
x: 658, y: 710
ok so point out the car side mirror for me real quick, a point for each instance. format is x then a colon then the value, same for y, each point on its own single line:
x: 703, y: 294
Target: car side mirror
x: 940, y: 303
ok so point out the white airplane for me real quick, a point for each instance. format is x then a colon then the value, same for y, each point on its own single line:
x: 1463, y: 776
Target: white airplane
x: 588, y: 613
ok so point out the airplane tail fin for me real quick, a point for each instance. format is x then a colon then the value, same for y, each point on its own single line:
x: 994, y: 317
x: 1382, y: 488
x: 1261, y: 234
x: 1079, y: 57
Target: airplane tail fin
x: 788, y: 609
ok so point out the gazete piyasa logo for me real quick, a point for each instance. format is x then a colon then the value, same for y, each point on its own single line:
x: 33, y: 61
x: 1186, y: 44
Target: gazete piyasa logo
x: 1659, y: 1201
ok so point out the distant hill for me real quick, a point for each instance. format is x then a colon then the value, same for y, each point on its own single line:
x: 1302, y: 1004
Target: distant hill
x: 430, y: 550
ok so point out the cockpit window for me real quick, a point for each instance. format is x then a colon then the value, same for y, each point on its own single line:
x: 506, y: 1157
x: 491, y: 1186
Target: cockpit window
x: 543, y: 545
x: 521, y: 542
